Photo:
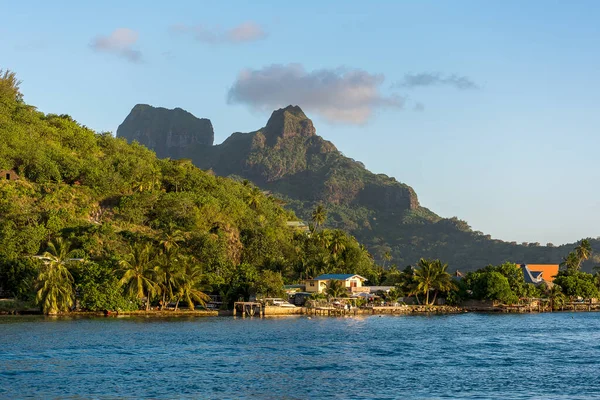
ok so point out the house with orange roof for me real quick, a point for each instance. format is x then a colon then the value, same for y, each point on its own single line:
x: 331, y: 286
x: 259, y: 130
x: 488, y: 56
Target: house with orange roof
x: 539, y: 273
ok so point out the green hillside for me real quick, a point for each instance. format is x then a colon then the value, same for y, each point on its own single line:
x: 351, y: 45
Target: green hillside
x: 116, y: 204
x: 289, y: 159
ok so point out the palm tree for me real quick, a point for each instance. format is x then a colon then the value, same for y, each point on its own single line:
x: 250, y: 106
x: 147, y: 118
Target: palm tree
x: 444, y: 282
x: 319, y: 216
x: 387, y: 256
x: 189, y: 286
x: 323, y: 238
x: 336, y: 289
x: 556, y: 296
x: 337, y: 244
x: 55, y: 282
x: 167, y: 271
x: 253, y: 198
x: 571, y: 262
x: 138, y: 272
x: 432, y: 275
x: 583, y: 251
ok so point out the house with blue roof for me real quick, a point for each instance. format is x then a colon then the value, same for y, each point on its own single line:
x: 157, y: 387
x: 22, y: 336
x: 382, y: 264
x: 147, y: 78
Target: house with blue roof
x: 352, y: 282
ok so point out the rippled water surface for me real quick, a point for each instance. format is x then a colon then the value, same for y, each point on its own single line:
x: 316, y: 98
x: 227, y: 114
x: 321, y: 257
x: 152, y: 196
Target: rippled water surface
x: 474, y: 356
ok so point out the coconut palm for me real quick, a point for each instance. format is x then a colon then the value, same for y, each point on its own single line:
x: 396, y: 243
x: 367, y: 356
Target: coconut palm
x: 338, y: 243
x: 323, y: 238
x: 387, y: 256
x: 319, y: 216
x: 432, y: 275
x: 55, y: 283
x: 444, y: 282
x: 336, y: 289
x: 254, y: 197
x: 571, y: 261
x: 167, y: 271
x: 139, y: 276
x: 583, y: 251
x: 189, y: 288
x: 556, y: 296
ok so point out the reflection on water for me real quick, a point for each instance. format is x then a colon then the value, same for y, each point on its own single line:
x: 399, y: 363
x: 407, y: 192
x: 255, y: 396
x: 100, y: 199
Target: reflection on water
x: 456, y: 356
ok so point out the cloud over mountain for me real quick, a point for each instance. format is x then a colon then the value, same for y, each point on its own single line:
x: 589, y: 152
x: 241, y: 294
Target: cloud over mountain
x: 436, y: 79
x: 120, y: 42
x: 243, y: 33
x: 338, y: 95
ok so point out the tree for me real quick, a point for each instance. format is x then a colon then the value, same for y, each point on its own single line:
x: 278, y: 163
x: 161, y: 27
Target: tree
x: 9, y: 85
x: 571, y: 262
x: 319, y: 216
x: 139, y: 276
x: 555, y: 295
x: 338, y: 243
x: 167, y: 272
x: 432, y: 275
x: 269, y: 284
x: 55, y: 283
x: 336, y: 289
x: 576, y: 284
x: 387, y: 256
x: 254, y: 197
x: 189, y: 286
x: 491, y: 285
x: 583, y: 251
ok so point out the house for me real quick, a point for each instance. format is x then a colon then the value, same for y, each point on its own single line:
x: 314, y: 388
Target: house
x: 8, y: 175
x: 298, y: 225
x: 538, y: 273
x: 352, y: 282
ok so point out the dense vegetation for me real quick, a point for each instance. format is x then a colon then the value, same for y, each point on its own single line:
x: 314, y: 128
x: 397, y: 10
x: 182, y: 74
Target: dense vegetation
x: 289, y: 159
x: 504, y: 283
x: 105, y: 223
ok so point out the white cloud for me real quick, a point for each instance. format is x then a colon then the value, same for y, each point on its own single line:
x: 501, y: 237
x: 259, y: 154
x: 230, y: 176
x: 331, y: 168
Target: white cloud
x: 338, y: 95
x: 120, y: 42
x: 243, y: 33
x: 436, y: 79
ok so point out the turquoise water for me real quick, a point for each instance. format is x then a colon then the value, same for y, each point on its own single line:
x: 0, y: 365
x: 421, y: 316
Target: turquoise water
x: 475, y: 356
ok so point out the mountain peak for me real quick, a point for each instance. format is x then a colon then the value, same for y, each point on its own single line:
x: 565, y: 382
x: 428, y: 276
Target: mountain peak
x: 168, y: 132
x: 289, y: 122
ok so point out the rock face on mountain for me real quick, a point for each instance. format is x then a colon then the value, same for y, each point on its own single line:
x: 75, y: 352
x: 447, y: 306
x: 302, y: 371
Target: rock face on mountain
x: 289, y: 159
x: 168, y: 132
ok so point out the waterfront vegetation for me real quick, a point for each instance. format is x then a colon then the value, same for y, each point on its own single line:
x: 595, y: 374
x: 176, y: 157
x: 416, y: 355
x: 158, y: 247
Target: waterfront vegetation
x: 102, y: 224
x: 99, y: 224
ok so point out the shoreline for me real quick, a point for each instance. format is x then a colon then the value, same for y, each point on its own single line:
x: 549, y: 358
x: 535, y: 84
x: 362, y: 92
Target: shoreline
x: 309, y: 312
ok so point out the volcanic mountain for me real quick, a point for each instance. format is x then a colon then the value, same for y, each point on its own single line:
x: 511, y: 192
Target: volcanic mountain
x: 289, y: 159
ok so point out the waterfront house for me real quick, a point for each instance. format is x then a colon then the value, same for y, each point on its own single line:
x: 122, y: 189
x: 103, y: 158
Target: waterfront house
x: 539, y: 273
x: 8, y: 175
x: 352, y: 282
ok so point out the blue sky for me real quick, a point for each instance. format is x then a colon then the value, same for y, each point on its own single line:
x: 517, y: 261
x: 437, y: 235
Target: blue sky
x: 514, y: 154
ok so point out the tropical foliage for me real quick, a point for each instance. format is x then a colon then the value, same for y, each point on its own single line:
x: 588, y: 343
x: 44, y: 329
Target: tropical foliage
x: 149, y: 232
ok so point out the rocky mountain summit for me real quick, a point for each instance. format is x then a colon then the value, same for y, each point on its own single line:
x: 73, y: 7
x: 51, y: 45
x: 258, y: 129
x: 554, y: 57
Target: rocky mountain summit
x: 167, y: 132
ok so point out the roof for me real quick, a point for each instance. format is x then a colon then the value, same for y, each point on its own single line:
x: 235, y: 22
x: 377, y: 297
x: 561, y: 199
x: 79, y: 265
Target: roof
x: 548, y: 271
x: 338, y: 277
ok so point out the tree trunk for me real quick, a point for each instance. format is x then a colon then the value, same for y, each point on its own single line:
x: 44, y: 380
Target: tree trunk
x: 434, y: 297
x: 148, y: 302
x: 177, y: 304
x: 427, y: 296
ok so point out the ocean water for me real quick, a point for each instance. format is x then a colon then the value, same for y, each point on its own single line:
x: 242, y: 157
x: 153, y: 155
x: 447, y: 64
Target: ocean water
x: 467, y: 356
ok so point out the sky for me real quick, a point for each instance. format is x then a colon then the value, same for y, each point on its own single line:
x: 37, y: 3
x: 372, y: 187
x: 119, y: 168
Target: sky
x: 489, y: 110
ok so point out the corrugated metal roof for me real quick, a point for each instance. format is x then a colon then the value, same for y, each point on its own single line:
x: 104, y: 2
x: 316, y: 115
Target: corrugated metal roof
x: 341, y: 277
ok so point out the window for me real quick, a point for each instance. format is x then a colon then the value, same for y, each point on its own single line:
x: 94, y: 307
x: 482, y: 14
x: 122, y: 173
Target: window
x: 352, y: 283
x: 312, y: 284
x: 8, y: 176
